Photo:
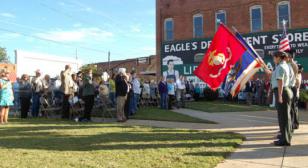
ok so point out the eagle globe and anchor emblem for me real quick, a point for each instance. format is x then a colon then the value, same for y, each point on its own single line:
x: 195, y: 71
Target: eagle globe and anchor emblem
x: 218, y: 59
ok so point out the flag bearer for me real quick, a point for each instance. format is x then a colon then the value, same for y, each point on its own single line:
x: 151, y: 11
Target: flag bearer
x: 283, y: 94
x: 284, y: 97
x: 293, y: 74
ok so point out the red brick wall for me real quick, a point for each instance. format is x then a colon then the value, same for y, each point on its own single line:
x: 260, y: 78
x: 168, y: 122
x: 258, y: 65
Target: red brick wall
x: 130, y: 64
x: 237, y: 11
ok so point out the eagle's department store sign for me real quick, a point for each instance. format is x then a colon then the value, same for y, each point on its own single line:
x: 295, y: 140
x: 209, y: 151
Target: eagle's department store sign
x: 188, y: 54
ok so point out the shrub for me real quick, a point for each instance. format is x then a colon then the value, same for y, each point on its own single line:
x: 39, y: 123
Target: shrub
x: 303, y: 95
x: 210, y: 95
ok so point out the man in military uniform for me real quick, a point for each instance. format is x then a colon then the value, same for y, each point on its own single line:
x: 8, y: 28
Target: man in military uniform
x: 293, y: 74
x: 283, y: 94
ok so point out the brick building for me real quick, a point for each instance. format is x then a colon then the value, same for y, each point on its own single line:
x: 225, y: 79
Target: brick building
x: 144, y: 66
x: 185, y: 28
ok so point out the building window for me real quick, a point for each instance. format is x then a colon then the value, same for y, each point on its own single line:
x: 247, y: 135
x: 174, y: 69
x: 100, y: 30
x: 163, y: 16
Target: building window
x: 256, y: 18
x: 169, y: 29
x: 220, y: 17
x: 283, y: 13
x: 198, y: 25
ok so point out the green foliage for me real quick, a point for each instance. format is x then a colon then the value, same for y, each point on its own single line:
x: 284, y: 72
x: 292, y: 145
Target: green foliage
x: 3, y: 55
x: 89, y: 67
x: 303, y: 95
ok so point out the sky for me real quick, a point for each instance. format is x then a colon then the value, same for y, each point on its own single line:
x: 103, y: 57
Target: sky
x: 126, y: 28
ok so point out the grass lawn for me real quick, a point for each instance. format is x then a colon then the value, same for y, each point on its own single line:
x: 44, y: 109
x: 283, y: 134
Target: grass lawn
x: 152, y: 113
x: 53, y: 144
x: 219, y: 106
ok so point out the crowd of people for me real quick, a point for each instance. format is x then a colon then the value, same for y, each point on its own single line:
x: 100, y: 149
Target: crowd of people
x: 121, y: 90
x: 126, y: 92
x: 36, y: 91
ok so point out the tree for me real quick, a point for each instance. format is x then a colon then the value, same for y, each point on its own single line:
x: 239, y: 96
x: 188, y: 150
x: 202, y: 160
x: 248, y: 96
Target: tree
x: 89, y: 67
x: 3, y: 55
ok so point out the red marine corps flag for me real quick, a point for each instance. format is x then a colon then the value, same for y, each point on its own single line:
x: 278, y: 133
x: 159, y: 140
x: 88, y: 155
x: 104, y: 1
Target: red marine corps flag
x: 224, y: 52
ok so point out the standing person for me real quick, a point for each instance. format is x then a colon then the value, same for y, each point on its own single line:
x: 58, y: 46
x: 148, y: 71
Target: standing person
x: 137, y: 92
x: 6, y: 96
x: 249, y: 92
x: 37, y: 89
x: 197, y: 92
x: 171, y: 93
x: 266, y: 92
x: 129, y: 98
x: 259, y: 91
x: 16, y: 96
x: 298, y: 84
x: 180, y: 92
x: 187, y: 86
x: 80, y: 84
x: 112, y: 90
x: 163, y: 91
x: 153, y: 93
x: 283, y: 95
x: 25, y: 95
x: 146, y: 93
x: 121, y: 93
x: 293, y: 74
x: 191, y: 87
x: 67, y: 89
x: 75, y: 85
x: 47, y: 88
x: 57, y: 93
x: 88, y: 94
x: 47, y: 85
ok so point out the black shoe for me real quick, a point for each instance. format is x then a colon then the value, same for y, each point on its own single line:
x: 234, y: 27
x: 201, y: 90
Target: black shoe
x: 295, y: 127
x: 280, y: 143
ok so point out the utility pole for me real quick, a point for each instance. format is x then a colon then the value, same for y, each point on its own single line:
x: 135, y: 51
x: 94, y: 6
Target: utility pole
x: 76, y: 56
x: 108, y: 60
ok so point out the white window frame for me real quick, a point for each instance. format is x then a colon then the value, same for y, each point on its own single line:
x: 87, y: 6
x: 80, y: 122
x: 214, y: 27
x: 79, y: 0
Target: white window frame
x: 165, y: 28
x: 216, y: 14
x: 194, y: 29
x: 289, y: 10
x: 261, y: 10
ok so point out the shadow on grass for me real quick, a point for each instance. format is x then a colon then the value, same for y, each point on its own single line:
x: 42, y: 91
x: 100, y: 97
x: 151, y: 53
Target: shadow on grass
x: 72, y: 137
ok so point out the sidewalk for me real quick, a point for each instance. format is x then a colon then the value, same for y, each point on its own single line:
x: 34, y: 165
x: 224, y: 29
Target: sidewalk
x: 259, y: 129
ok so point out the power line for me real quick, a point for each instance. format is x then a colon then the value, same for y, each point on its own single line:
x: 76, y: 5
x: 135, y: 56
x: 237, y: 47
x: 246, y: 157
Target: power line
x: 59, y: 43
x: 40, y: 38
x: 73, y: 18
x: 53, y: 41
x: 23, y: 26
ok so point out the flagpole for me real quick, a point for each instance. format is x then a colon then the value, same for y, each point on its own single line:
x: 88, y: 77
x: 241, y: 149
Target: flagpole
x: 258, y: 58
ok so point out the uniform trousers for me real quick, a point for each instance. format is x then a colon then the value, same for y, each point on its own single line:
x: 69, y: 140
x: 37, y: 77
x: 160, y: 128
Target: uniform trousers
x: 284, y: 114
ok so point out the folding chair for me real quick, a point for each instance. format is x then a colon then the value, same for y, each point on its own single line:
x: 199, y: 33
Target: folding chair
x: 46, y: 108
